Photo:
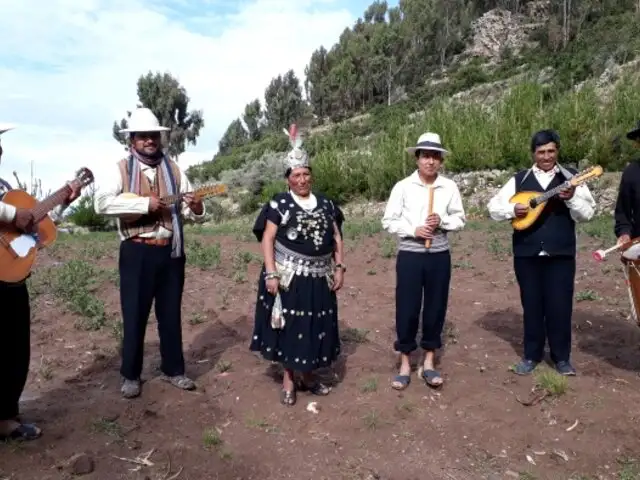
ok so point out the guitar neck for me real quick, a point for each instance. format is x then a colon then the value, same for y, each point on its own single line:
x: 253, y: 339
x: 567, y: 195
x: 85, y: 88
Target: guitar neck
x: 43, y: 207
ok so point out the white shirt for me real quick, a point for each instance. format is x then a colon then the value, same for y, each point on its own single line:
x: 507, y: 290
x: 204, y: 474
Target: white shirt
x: 581, y: 205
x: 408, y: 205
x: 108, y: 202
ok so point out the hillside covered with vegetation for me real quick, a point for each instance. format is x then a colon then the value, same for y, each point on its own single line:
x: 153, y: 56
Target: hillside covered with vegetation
x: 483, y: 73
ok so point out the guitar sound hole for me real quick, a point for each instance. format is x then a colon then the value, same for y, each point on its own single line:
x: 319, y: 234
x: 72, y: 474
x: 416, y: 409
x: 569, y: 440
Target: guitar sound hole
x: 533, y: 203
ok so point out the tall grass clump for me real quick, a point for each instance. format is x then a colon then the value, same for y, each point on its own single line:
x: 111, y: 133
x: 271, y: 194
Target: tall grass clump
x: 591, y: 127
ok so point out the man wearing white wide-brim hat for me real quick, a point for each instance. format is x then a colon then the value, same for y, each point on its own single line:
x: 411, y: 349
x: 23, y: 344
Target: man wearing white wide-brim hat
x: 423, y: 272
x: 15, y: 326
x: 152, y: 261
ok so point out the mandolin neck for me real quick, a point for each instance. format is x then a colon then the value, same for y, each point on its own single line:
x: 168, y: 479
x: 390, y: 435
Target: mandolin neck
x: 551, y: 193
x: 172, y: 198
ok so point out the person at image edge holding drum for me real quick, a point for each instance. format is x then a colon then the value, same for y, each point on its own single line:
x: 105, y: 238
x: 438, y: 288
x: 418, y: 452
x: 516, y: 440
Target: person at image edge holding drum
x: 627, y: 209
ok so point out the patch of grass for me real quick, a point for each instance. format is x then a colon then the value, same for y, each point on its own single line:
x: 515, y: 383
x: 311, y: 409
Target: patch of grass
x: 387, y: 247
x: 361, y: 227
x: 551, y: 381
x: 75, y: 282
x: 370, y: 385
x: 46, y: 369
x: 201, y: 255
x: 260, y: 423
x: 223, y: 366
x: 211, y: 438
x: 587, y: 295
x: 629, y: 468
x: 497, y: 247
x: 197, y: 318
x: 107, y: 427
x: 372, y: 420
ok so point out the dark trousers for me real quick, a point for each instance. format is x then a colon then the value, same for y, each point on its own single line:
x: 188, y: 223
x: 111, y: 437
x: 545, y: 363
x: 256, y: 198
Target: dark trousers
x: 418, y: 276
x: 148, y: 273
x: 546, y: 293
x: 15, y: 347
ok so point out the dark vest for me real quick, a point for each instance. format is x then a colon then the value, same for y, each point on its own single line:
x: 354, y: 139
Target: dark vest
x: 554, y: 231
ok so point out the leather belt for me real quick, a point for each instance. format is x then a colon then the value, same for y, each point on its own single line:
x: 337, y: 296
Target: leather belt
x: 157, y: 242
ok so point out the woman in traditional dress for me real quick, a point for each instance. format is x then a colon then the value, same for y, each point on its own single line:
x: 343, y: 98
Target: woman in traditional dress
x: 296, y: 318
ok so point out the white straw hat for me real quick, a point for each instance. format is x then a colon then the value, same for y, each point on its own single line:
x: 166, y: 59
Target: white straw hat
x: 143, y: 120
x: 428, y: 141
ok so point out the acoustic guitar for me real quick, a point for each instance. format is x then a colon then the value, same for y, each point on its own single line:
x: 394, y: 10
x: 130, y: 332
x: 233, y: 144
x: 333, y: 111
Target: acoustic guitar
x: 202, y: 192
x: 18, y: 249
x: 536, y: 201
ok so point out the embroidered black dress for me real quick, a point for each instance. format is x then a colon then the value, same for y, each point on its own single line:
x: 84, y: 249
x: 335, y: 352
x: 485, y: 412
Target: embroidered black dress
x: 304, y: 247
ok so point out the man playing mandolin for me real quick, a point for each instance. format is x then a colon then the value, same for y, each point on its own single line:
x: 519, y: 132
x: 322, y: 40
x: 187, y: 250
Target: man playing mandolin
x: 15, y: 327
x: 545, y: 253
x: 152, y: 261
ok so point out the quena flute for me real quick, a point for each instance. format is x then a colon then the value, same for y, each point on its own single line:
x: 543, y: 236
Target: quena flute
x: 427, y: 242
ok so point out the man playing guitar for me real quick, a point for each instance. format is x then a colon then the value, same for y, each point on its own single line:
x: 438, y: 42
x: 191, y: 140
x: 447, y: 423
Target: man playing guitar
x: 15, y: 348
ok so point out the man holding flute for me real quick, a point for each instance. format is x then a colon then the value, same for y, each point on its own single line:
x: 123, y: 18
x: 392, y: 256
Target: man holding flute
x: 423, y: 264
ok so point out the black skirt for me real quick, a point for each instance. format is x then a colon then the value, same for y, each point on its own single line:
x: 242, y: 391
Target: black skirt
x: 310, y: 338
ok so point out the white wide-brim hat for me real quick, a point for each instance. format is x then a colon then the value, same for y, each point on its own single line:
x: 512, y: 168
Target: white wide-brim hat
x: 428, y: 141
x: 143, y: 120
x: 5, y: 127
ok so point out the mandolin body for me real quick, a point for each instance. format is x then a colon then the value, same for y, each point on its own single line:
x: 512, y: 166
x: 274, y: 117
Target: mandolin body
x: 525, y: 198
x: 15, y: 266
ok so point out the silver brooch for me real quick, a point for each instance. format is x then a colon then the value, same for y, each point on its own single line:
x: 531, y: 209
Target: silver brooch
x: 292, y: 234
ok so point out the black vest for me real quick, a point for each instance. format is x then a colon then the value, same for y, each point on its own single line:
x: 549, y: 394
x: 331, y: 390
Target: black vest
x: 554, y: 231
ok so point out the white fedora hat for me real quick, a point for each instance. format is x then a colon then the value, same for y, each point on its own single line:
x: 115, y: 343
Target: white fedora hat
x: 5, y: 127
x: 143, y: 120
x: 428, y: 141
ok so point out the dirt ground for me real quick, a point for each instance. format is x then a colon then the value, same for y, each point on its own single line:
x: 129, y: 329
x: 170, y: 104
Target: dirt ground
x: 233, y: 426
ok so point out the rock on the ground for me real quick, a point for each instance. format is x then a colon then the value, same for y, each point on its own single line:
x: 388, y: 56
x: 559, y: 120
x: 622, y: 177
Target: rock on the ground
x: 80, y: 464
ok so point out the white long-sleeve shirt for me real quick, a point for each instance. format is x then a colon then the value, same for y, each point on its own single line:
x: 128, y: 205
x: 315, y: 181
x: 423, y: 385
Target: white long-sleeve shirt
x: 109, y: 202
x: 408, y: 208
x: 581, y: 206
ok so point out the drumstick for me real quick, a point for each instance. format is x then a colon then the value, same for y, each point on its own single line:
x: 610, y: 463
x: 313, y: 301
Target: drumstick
x: 427, y: 242
x: 600, y: 255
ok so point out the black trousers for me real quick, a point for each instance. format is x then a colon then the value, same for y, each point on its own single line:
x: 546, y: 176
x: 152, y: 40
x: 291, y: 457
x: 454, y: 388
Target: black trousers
x: 148, y: 273
x: 418, y: 276
x: 546, y: 293
x: 15, y: 347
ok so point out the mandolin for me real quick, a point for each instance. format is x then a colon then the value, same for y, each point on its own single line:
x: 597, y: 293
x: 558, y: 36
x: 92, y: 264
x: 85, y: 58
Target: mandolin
x: 536, y: 201
x: 202, y: 192
x: 18, y: 249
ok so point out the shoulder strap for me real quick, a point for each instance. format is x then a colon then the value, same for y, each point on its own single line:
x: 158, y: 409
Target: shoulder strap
x: 567, y: 174
x: 521, y: 176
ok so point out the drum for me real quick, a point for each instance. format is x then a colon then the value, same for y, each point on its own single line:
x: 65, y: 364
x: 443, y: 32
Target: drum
x: 630, y: 258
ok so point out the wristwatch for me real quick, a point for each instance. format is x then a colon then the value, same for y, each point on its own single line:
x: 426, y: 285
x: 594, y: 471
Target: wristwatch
x: 342, y: 266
